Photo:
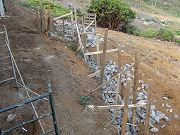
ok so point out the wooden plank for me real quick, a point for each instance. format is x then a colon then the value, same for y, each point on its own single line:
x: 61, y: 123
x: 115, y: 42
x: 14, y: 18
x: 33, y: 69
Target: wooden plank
x: 89, y: 18
x: 136, y: 74
x: 120, y: 73
x: 88, y: 32
x: 68, y: 14
x: 103, y: 57
x: 120, y: 106
x: 89, y: 25
x: 100, y: 52
x: 148, y: 113
x: 94, y: 74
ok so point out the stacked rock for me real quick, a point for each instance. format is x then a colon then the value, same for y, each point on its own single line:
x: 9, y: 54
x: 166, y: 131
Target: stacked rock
x: 108, y: 95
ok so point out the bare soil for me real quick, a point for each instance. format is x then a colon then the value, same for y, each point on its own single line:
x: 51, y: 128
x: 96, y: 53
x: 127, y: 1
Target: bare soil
x: 42, y: 60
x: 161, y: 71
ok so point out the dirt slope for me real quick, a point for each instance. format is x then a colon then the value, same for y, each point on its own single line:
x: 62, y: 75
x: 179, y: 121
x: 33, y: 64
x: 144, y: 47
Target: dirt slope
x: 42, y: 60
x: 161, y: 71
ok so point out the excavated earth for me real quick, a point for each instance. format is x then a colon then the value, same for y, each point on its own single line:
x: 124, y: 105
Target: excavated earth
x: 42, y: 60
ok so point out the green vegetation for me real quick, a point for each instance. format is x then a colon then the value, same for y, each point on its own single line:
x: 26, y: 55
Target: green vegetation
x: 112, y: 14
x: 178, y: 32
x: 170, y: 7
x: 84, y: 100
x: 165, y: 34
x: 149, y: 33
x: 178, y: 41
x: 55, y: 8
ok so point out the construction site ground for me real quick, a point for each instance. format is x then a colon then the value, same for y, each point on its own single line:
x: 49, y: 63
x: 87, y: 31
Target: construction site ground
x: 42, y: 60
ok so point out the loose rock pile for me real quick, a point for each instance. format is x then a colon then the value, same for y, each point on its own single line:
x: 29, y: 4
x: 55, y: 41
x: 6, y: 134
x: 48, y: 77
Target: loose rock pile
x: 109, y: 94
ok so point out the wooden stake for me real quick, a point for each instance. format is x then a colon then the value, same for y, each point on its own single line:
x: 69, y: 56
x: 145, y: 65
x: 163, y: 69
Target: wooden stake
x: 41, y: 16
x: 63, y: 28
x: 97, y: 49
x: 136, y: 66
x: 148, y: 112
x: 119, y: 76
x: 84, y: 35
x: 47, y: 19
x: 119, y: 70
x: 125, y: 113
x: 103, y: 56
x: 114, y: 77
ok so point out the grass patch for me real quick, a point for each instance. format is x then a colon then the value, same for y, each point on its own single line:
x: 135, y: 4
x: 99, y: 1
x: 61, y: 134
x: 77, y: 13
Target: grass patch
x: 55, y: 8
x: 178, y: 32
x: 166, y: 34
x: 178, y: 41
x: 149, y: 33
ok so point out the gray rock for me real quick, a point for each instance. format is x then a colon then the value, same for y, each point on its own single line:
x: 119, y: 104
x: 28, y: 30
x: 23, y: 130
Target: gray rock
x: 163, y: 126
x: 153, y: 114
x: 176, y: 116
x: 166, y: 119
x: 154, y: 130
x: 157, y: 118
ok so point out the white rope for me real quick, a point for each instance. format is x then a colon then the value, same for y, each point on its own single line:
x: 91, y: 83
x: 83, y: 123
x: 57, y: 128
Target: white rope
x: 34, y: 109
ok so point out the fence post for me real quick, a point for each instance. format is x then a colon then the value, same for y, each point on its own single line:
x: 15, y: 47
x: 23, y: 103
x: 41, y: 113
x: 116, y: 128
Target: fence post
x: 51, y: 100
x: 103, y: 56
x: 136, y: 74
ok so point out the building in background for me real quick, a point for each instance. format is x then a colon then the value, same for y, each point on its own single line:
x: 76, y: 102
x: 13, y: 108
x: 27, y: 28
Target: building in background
x: 1, y: 8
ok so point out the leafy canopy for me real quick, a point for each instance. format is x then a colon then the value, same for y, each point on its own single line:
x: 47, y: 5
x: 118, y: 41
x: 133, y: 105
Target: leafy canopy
x: 114, y: 14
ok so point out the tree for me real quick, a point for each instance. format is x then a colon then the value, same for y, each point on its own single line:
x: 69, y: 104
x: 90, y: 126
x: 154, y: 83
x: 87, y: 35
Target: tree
x: 112, y: 14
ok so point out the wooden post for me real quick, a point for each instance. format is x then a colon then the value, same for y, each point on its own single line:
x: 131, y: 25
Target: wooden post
x: 72, y: 20
x: 125, y: 113
x: 63, y: 29
x: 135, y: 85
x: 119, y: 70
x: 103, y: 56
x: 118, y: 91
x: 41, y: 16
x: 84, y: 35
x: 148, y: 112
x: 97, y: 49
x: 47, y: 19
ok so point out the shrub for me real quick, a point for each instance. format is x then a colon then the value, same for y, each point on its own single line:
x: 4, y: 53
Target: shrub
x: 178, y: 32
x: 113, y: 14
x: 130, y: 29
x: 55, y: 8
x: 149, y: 33
x: 165, y: 34
x: 178, y: 41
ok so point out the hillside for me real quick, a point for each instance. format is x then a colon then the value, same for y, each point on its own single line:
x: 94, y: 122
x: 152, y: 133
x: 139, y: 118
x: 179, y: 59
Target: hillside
x: 42, y: 59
